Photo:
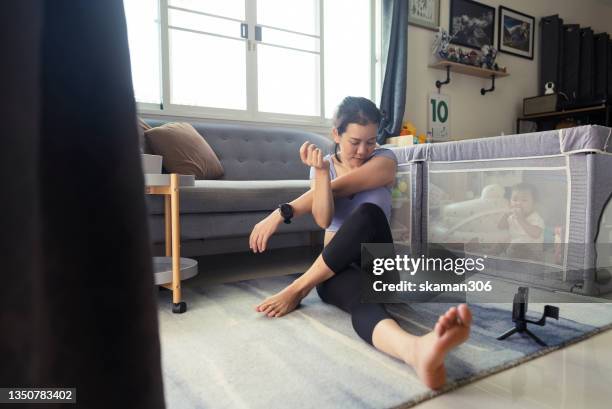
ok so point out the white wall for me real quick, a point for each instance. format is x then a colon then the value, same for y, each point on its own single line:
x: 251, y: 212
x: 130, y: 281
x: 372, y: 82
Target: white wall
x: 474, y: 115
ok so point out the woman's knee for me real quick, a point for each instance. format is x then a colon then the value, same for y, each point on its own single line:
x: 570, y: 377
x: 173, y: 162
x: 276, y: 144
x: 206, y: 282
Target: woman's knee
x: 370, y: 211
x: 366, y: 216
x: 370, y: 221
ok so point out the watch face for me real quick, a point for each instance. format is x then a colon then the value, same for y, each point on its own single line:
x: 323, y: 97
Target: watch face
x: 286, y: 210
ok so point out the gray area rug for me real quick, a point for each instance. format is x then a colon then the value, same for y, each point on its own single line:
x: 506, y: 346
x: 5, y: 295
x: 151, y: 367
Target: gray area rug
x: 222, y: 354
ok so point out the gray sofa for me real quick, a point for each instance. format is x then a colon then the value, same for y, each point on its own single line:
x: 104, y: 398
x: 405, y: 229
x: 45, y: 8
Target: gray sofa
x: 262, y: 169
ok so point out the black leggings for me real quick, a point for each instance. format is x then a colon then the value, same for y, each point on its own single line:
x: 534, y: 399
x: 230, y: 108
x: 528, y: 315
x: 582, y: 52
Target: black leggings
x: 366, y: 224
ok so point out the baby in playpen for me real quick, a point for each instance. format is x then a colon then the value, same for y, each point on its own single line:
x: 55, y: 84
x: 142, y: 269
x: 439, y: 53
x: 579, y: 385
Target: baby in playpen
x: 525, y: 226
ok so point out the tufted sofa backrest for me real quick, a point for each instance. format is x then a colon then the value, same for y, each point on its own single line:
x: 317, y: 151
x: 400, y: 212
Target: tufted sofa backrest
x: 258, y: 153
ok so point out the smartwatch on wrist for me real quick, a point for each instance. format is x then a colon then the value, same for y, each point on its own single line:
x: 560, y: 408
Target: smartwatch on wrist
x: 286, y: 211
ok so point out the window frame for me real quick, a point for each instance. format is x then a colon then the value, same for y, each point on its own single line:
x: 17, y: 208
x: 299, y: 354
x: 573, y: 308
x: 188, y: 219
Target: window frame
x: 252, y: 114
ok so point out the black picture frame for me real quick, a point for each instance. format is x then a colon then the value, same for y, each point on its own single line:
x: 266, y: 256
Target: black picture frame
x: 479, y: 26
x: 511, y: 18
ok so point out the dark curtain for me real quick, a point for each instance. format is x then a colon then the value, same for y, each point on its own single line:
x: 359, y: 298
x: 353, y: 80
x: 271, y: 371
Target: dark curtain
x: 395, y: 53
x: 77, y: 305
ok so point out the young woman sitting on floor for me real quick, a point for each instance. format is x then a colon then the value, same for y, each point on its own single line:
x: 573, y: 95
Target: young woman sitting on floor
x: 350, y: 197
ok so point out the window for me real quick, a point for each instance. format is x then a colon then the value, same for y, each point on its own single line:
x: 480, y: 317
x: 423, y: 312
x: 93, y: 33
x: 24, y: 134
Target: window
x: 143, y: 38
x: 257, y: 60
x: 207, y: 59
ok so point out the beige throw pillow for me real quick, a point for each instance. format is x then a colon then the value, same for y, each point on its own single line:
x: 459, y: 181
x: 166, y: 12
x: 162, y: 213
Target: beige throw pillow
x: 184, y: 150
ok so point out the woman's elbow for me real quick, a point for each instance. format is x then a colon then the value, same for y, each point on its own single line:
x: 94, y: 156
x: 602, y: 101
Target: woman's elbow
x: 391, y: 174
x: 322, y: 221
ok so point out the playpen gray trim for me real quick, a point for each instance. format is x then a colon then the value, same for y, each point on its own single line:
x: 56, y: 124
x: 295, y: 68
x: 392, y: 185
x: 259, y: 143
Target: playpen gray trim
x: 420, y: 225
x: 582, y: 151
x: 577, y: 255
x: 581, y: 139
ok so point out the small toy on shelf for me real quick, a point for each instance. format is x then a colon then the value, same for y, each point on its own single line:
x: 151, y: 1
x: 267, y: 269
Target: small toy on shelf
x: 463, y: 56
x: 473, y: 58
x: 487, y: 59
x: 440, y: 47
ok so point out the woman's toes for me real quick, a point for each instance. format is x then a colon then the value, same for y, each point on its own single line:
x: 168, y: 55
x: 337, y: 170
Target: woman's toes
x: 264, y: 304
x: 267, y: 309
x: 451, y: 314
x: 273, y: 310
x: 446, y: 323
x: 465, y: 315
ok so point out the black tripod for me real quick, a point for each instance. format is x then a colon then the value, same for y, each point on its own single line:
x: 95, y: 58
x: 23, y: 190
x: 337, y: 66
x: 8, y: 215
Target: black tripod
x: 519, y: 316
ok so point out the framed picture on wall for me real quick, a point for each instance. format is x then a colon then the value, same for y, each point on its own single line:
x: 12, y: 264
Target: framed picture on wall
x: 424, y: 13
x: 471, y: 23
x: 516, y: 33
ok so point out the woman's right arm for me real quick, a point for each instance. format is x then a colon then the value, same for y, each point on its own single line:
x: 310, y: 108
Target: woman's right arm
x: 319, y: 200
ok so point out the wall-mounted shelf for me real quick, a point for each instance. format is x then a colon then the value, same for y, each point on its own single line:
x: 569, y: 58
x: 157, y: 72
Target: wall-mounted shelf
x: 449, y: 66
x: 600, y: 114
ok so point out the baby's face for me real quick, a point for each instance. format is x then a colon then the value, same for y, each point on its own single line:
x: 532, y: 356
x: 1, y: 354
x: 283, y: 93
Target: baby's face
x: 522, y: 200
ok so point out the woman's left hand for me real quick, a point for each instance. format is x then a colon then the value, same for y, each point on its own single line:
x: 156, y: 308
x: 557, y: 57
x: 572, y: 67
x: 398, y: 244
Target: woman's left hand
x: 312, y: 156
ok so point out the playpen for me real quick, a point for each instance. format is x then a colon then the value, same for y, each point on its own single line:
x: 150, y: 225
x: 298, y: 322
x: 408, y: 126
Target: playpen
x: 459, y: 192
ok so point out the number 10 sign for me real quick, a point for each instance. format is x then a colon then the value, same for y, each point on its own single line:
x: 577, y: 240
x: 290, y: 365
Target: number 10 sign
x: 439, y: 117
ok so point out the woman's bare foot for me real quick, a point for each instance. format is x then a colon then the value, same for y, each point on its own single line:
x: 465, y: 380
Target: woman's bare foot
x: 283, y: 302
x: 452, y: 329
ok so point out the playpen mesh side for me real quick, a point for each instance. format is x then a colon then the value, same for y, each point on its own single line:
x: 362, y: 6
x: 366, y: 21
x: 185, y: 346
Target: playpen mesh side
x: 403, y: 197
x: 467, y: 201
x: 602, y: 218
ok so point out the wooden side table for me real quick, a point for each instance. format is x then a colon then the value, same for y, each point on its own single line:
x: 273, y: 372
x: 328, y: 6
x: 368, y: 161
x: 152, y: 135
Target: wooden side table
x: 170, y: 270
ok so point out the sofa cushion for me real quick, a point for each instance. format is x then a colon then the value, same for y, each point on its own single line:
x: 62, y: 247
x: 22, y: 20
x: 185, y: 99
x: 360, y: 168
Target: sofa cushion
x: 184, y: 150
x: 231, y: 196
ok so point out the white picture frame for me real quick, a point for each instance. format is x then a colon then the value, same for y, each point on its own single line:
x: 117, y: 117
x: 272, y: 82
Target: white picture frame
x: 424, y: 13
